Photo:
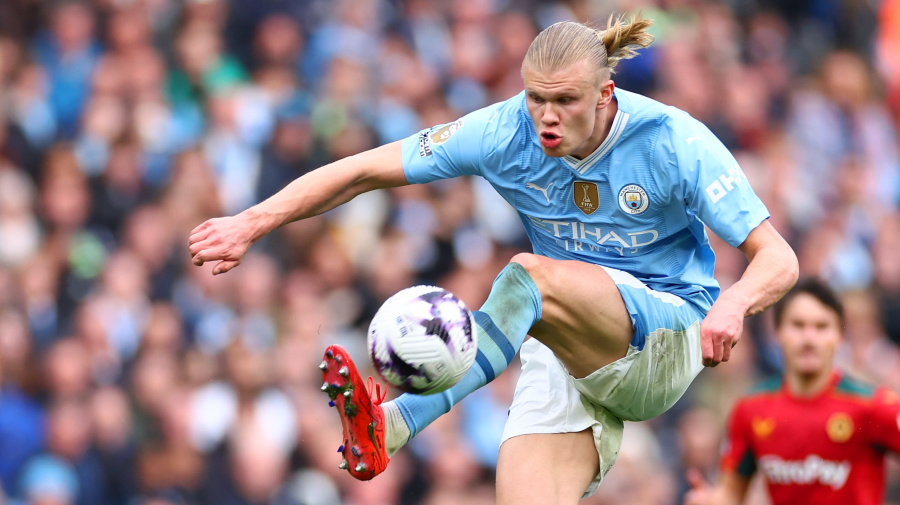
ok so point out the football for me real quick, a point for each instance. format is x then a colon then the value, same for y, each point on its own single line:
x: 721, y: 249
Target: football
x: 423, y: 340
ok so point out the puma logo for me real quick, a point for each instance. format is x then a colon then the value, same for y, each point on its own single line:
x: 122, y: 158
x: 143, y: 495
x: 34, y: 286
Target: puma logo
x: 532, y: 185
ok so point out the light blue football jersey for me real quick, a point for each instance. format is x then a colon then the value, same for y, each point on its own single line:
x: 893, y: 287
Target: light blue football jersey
x: 638, y: 203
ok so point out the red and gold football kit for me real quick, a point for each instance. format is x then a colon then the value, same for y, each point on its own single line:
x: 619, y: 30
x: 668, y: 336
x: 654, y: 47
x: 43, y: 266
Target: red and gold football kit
x: 828, y: 449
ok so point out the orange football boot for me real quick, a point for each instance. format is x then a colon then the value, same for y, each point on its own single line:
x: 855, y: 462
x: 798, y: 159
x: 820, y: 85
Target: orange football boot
x: 359, y: 406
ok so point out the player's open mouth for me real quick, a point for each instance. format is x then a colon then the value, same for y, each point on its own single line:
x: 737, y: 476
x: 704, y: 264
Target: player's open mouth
x: 550, y: 140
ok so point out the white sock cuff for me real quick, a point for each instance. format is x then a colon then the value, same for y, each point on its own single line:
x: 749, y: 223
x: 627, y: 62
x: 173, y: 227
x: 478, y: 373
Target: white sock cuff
x: 396, y: 432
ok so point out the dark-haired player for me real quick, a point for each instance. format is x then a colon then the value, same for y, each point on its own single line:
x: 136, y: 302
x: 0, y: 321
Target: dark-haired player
x: 816, y: 435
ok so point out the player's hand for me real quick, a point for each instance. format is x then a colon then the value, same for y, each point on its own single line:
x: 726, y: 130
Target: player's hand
x: 701, y: 492
x: 720, y: 331
x: 223, y: 239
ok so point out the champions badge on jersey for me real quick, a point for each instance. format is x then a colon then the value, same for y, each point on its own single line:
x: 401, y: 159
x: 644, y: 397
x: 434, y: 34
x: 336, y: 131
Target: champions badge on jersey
x: 633, y: 199
x: 586, y: 195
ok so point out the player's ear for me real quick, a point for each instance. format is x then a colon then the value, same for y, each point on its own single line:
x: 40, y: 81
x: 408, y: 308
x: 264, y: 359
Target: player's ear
x: 606, y: 94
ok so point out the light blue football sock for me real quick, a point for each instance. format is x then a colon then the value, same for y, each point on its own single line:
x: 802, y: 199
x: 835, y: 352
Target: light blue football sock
x: 503, y: 322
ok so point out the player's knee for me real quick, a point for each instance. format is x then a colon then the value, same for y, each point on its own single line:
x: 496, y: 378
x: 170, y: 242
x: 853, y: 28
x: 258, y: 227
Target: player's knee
x: 532, y: 263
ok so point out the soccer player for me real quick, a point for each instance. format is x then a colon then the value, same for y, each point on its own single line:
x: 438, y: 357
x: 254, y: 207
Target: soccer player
x: 614, y: 190
x: 816, y: 435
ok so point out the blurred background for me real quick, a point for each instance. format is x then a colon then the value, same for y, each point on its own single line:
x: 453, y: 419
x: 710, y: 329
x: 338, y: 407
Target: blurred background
x: 130, y: 377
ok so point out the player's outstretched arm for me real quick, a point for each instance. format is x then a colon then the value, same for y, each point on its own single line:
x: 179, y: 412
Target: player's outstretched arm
x: 730, y: 490
x: 772, y: 271
x: 226, y: 239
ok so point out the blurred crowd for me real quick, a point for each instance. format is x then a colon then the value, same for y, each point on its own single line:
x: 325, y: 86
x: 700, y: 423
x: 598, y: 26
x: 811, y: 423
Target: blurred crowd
x: 130, y: 377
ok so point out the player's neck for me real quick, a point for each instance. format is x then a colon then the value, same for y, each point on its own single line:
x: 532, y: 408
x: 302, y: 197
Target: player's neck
x: 808, y: 385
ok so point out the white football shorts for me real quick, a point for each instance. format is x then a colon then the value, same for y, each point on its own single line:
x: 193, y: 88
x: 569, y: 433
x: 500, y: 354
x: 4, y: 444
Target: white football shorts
x: 661, y: 362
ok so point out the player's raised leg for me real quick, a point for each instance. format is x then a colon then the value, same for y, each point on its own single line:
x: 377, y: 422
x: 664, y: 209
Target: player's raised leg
x: 586, y: 336
x: 592, y: 331
x: 546, y: 469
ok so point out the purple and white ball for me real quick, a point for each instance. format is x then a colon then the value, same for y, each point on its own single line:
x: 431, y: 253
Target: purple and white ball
x: 423, y: 340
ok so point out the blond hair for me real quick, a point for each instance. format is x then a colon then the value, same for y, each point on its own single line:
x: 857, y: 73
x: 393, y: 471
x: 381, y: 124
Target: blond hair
x: 566, y: 43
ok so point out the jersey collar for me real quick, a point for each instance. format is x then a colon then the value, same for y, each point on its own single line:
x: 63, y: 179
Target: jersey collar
x: 833, y: 381
x: 619, y: 122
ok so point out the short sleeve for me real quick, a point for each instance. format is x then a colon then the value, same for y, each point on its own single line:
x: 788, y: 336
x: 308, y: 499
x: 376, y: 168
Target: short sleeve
x: 711, y: 182
x: 448, y: 150
x: 883, y: 428
x: 737, y: 453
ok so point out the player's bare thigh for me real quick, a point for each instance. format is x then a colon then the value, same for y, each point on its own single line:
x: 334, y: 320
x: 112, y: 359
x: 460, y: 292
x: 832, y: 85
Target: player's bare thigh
x: 584, y: 320
x: 546, y: 469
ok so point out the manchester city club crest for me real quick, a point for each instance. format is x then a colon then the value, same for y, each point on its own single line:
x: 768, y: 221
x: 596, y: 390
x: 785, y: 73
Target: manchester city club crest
x: 633, y: 199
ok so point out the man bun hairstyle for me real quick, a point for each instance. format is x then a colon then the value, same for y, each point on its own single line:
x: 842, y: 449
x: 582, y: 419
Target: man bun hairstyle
x: 567, y: 42
x: 623, y: 38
